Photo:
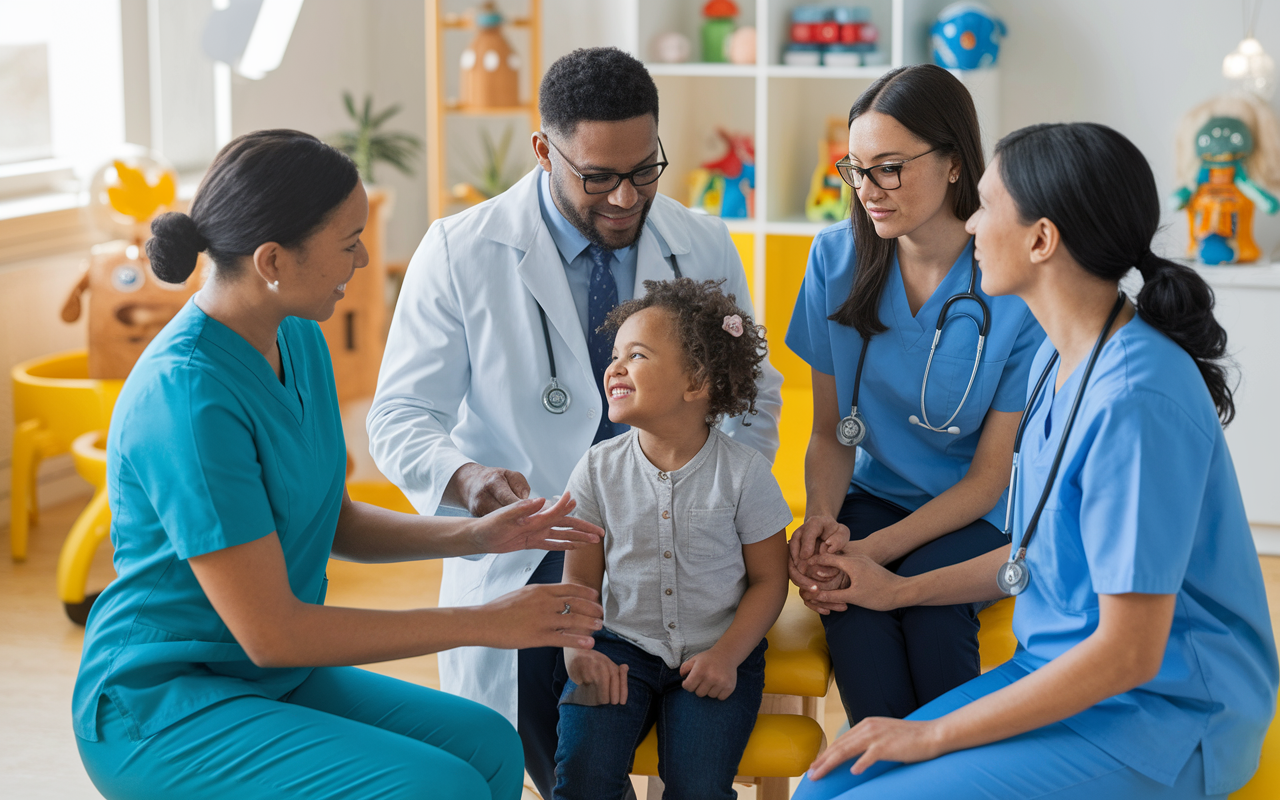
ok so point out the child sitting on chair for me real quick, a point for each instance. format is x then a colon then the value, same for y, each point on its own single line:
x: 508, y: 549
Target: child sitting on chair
x: 693, y: 565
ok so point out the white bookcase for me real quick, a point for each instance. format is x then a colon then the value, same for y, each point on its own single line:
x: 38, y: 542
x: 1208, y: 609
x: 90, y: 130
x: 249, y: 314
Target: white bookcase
x: 784, y: 107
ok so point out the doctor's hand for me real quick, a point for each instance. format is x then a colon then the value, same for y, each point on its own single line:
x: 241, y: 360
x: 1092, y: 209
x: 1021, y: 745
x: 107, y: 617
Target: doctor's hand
x: 819, y: 534
x: 710, y: 674
x: 869, y: 584
x: 597, y: 676
x: 881, y: 739
x: 535, y: 616
x: 522, y: 526
x: 483, y: 490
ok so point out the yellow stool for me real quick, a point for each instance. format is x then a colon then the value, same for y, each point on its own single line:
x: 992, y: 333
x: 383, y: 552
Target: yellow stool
x: 92, y: 526
x: 54, y: 401
x: 788, y: 734
x: 996, y: 642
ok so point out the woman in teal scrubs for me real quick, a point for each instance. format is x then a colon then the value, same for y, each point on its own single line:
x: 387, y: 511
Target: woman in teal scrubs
x: 1146, y: 665
x: 926, y: 487
x: 211, y: 667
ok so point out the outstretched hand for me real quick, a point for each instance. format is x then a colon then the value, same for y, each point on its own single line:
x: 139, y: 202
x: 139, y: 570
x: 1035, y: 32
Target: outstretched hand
x: 543, y: 615
x: 523, y: 526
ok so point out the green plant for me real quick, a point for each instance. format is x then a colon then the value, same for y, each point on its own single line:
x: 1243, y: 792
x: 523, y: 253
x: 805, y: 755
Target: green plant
x: 494, y: 175
x: 367, y: 145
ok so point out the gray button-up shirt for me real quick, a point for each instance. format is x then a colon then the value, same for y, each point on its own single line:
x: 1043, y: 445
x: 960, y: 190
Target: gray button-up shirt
x: 674, y: 571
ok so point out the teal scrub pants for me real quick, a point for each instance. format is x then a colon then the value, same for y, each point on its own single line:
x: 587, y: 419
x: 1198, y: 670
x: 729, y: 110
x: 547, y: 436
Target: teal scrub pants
x: 344, y: 733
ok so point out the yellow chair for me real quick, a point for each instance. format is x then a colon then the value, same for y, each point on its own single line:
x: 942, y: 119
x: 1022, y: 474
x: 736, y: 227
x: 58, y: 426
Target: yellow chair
x: 54, y: 401
x: 996, y: 642
x: 89, y: 452
x: 1265, y: 784
x: 788, y: 733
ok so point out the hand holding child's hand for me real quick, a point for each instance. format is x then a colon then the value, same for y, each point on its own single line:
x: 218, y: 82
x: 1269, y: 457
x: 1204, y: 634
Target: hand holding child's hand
x: 587, y: 668
x: 710, y: 674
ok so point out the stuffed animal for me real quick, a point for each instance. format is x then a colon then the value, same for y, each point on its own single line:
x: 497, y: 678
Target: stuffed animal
x: 1228, y: 150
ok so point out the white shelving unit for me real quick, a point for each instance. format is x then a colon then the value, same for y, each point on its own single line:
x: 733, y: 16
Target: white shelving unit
x: 784, y: 107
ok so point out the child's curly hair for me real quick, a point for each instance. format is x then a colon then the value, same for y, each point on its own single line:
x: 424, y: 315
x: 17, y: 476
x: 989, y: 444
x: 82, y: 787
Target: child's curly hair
x: 729, y: 364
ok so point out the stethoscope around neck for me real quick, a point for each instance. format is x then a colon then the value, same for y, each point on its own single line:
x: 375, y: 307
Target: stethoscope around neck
x: 853, y: 428
x: 556, y: 398
x: 1014, y: 575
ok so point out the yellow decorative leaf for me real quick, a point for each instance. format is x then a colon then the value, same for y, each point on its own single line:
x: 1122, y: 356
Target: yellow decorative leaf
x: 136, y: 198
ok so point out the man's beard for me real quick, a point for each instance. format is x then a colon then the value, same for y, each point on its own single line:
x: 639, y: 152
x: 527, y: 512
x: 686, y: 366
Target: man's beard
x: 584, y: 225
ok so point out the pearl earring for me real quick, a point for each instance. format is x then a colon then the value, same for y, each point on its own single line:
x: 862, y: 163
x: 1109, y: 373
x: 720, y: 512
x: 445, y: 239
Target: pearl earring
x: 274, y: 286
x: 953, y: 178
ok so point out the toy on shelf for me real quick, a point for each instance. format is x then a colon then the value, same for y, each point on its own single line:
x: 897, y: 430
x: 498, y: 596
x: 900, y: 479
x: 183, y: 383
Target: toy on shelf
x: 725, y: 187
x: 490, y: 67
x: 670, y: 47
x: 967, y: 36
x: 829, y: 195
x: 717, y: 29
x: 742, y: 46
x: 1228, y: 149
x: 830, y: 36
x: 128, y: 304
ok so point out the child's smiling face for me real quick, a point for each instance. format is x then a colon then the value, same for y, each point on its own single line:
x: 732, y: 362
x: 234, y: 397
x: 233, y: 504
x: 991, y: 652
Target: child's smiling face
x: 648, y: 378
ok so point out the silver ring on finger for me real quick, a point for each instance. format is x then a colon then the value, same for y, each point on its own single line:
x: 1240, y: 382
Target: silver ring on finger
x: 566, y: 610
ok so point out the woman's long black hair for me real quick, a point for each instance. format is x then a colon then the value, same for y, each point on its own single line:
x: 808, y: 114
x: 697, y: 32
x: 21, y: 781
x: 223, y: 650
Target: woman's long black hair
x: 266, y: 186
x: 936, y: 107
x: 1097, y: 188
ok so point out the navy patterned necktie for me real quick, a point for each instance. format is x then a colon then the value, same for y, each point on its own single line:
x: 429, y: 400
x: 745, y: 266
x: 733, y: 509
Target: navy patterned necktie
x: 602, y: 297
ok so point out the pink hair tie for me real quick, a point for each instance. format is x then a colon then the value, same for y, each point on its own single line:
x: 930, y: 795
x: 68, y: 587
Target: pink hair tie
x: 733, y: 324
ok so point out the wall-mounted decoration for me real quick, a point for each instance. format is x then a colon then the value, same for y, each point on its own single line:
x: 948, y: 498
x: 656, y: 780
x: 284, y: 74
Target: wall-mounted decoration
x: 967, y: 36
x: 490, y: 67
x: 1228, y: 150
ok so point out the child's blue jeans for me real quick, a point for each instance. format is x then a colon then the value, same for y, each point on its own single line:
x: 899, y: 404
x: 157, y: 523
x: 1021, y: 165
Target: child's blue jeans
x: 700, y: 740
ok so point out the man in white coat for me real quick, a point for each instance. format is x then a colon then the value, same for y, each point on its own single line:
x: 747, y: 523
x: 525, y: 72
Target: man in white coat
x: 491, y: 386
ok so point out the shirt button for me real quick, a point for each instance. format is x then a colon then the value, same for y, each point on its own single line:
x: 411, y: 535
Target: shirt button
x: 666, y: 515
x: 668, y: 591
x: 667, y: 554
x: 662, y: 476
x: 671, y: 624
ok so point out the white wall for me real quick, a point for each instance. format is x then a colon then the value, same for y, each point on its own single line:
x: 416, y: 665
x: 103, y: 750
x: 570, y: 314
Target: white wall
x: 1136, y: 65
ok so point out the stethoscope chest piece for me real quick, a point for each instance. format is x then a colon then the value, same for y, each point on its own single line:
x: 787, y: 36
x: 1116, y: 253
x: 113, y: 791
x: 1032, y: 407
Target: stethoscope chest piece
x: 555, y: 398
x: 852, y: 429
x: 1013, y: 577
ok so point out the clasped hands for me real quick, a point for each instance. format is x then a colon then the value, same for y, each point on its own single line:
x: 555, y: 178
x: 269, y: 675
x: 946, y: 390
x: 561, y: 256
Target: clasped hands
x: 834, y: 572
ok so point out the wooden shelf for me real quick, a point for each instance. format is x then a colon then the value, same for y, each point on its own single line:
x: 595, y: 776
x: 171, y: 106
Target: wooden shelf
x: 454, y: 107
x: 467, y: 23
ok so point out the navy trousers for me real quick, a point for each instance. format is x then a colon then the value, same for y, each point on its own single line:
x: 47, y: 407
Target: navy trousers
x: 889, y: 663
x: 540, y: 677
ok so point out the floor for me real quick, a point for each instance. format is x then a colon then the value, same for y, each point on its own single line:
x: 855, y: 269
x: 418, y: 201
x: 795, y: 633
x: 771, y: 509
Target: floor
x: 40, y: 651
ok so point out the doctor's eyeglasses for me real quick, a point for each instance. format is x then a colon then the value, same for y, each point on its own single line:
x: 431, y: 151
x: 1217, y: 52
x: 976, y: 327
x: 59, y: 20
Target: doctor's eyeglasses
x: 886, y: 176
x: 605, y: 182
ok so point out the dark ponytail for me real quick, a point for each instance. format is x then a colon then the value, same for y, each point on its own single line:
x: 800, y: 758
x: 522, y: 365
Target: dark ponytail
x: 937, y: 108
x: 1098, y: 189
x: 266, y: 186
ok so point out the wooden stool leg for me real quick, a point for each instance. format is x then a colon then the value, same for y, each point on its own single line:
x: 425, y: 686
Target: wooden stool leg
x: 22, y: 487
x: 773, y: 788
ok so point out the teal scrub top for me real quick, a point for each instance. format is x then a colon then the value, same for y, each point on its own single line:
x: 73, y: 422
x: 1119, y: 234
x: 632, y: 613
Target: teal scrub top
x: 207, y: 450
x: 897, y: 461
x: 1146, y: 500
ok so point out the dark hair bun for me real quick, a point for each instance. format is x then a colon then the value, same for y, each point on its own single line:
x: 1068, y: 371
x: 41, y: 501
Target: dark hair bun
x: 174, y: 246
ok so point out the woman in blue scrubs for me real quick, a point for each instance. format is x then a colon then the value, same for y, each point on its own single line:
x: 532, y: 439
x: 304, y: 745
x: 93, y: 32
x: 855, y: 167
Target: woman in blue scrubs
x: 211, y: 667
x: 1146, y: 665
x: 924, y: 488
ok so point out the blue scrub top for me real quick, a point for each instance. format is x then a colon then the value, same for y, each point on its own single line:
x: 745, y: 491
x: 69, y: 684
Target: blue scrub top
x: 897, y: 461
x: 207, y: 449
x: 1146, y: 500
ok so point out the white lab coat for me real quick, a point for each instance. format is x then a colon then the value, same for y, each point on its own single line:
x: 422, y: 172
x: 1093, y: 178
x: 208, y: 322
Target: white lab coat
x: 466, y: 363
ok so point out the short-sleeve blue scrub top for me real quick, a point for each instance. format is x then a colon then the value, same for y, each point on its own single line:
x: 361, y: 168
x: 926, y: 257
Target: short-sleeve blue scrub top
x: 207, y: 449
x: 897, y: 461
x: 1146, y: 500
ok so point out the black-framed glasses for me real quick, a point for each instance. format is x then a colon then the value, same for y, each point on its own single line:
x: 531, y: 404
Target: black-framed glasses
x: 887, y: 175
x: 605, y: 182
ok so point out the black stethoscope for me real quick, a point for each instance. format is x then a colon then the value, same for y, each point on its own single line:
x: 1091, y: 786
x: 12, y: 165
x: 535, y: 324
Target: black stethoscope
x: 853, y: 428
x: 556, y: 398
x: 1014, y: 575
